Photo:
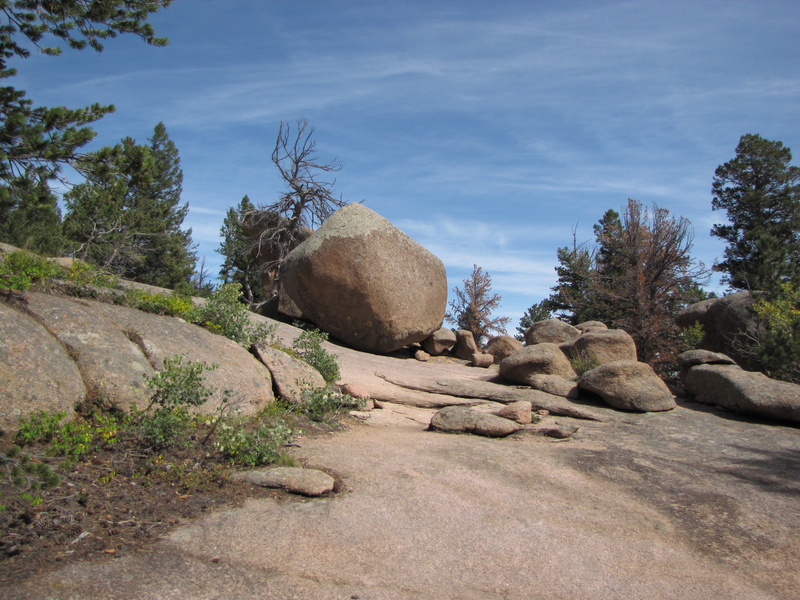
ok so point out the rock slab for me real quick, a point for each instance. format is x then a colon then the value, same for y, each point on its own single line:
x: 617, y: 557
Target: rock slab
x: 460, y: 419
x: 290, y: 375
x: 367, y: 283
x: 306, y: 482
x: 36, y: 373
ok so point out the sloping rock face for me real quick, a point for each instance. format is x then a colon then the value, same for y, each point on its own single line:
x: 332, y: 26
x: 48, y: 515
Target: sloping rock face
x: 367, y: 283
x: 729, y: 324
x: 460, y: 419
x: 503, y: 346
x: 628, y: 385
x: 539, y: 359
x: 607, y: 345
x: 551, y: 331
x: 36, y: 373
x: 743, y: 391
x: 114, y: 346
x: 554, y: 384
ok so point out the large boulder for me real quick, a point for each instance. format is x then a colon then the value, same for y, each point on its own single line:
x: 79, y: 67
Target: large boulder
x: 460, y: 419
x: 465, y: 345
x: 692, y: 358
x: 628, y: 385
x: 729, y: 326
x: 551, y: 331
x: 439, y: 341
x: 606, y: 346
x: 367, y: 283
x: 743, y: 391
x: 36, y: 373
x: 503, y: 346
x: 540, y: 359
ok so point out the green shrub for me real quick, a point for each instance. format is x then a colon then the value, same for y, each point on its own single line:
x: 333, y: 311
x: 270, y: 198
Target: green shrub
x: 75, y: 438
x: 179, y: 385
x: 39, y: 428
x: 159, y: 304
x: 20, y: 270
x: 224, y: 314
x: 308, y: 347
x: 779, y: 348
x: 257, y: 447
x: 321, y: 404
x: 694, y: 336
x: 583, y: 362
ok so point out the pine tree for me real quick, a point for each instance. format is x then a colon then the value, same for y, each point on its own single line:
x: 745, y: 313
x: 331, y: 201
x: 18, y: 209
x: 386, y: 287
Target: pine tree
x: 239, y: 265
x: 127, y: 217
x: 30, y: 217
x: 35, y: 142
x: 759, y: 191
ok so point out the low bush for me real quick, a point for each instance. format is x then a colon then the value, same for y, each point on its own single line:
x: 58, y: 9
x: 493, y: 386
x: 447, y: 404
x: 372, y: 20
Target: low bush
x: 160, y: 304
x: 583, y: 362
x: 322, y: 404
x: 224, y: 314
x: 20, y: 270
x: 247, y: 443
x: 308, y: 348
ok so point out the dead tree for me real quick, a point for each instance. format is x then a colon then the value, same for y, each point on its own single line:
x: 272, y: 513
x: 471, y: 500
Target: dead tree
x: 275, y: 230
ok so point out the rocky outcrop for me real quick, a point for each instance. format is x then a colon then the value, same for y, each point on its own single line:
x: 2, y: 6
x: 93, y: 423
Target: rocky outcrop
x: 551, y: 331
x: 465, y: 345
x: 503, y: 346
x: 367, y: 283
x: 439, y: 341
x: 36, y: 373
x: 743, y: 391
x: 114, y: 347
x: 539, y: 359
x: 729, y: 326
x: 628, y: 385
x: 290, y: 375
x: 605, y: 345
x: 460, y: 419
x: 692, y: 358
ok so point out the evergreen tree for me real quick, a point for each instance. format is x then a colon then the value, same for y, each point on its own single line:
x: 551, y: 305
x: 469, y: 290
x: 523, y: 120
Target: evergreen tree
x: 30, y: 217
x: 239, y: 265
x: 127, y: 217
x: 36, y: 141
x: 759, y: 191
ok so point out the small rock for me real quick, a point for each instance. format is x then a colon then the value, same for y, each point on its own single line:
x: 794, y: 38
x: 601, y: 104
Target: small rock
x: 422, y: 356
x: 307, y: 482
x: 479, y: 359
x: 439, y: 341
x: 355, y: 390
x: 520, y: 411
x: 465, y: 345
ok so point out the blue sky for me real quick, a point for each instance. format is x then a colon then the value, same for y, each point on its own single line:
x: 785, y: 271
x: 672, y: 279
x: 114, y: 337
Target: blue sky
x: 486, y: 131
